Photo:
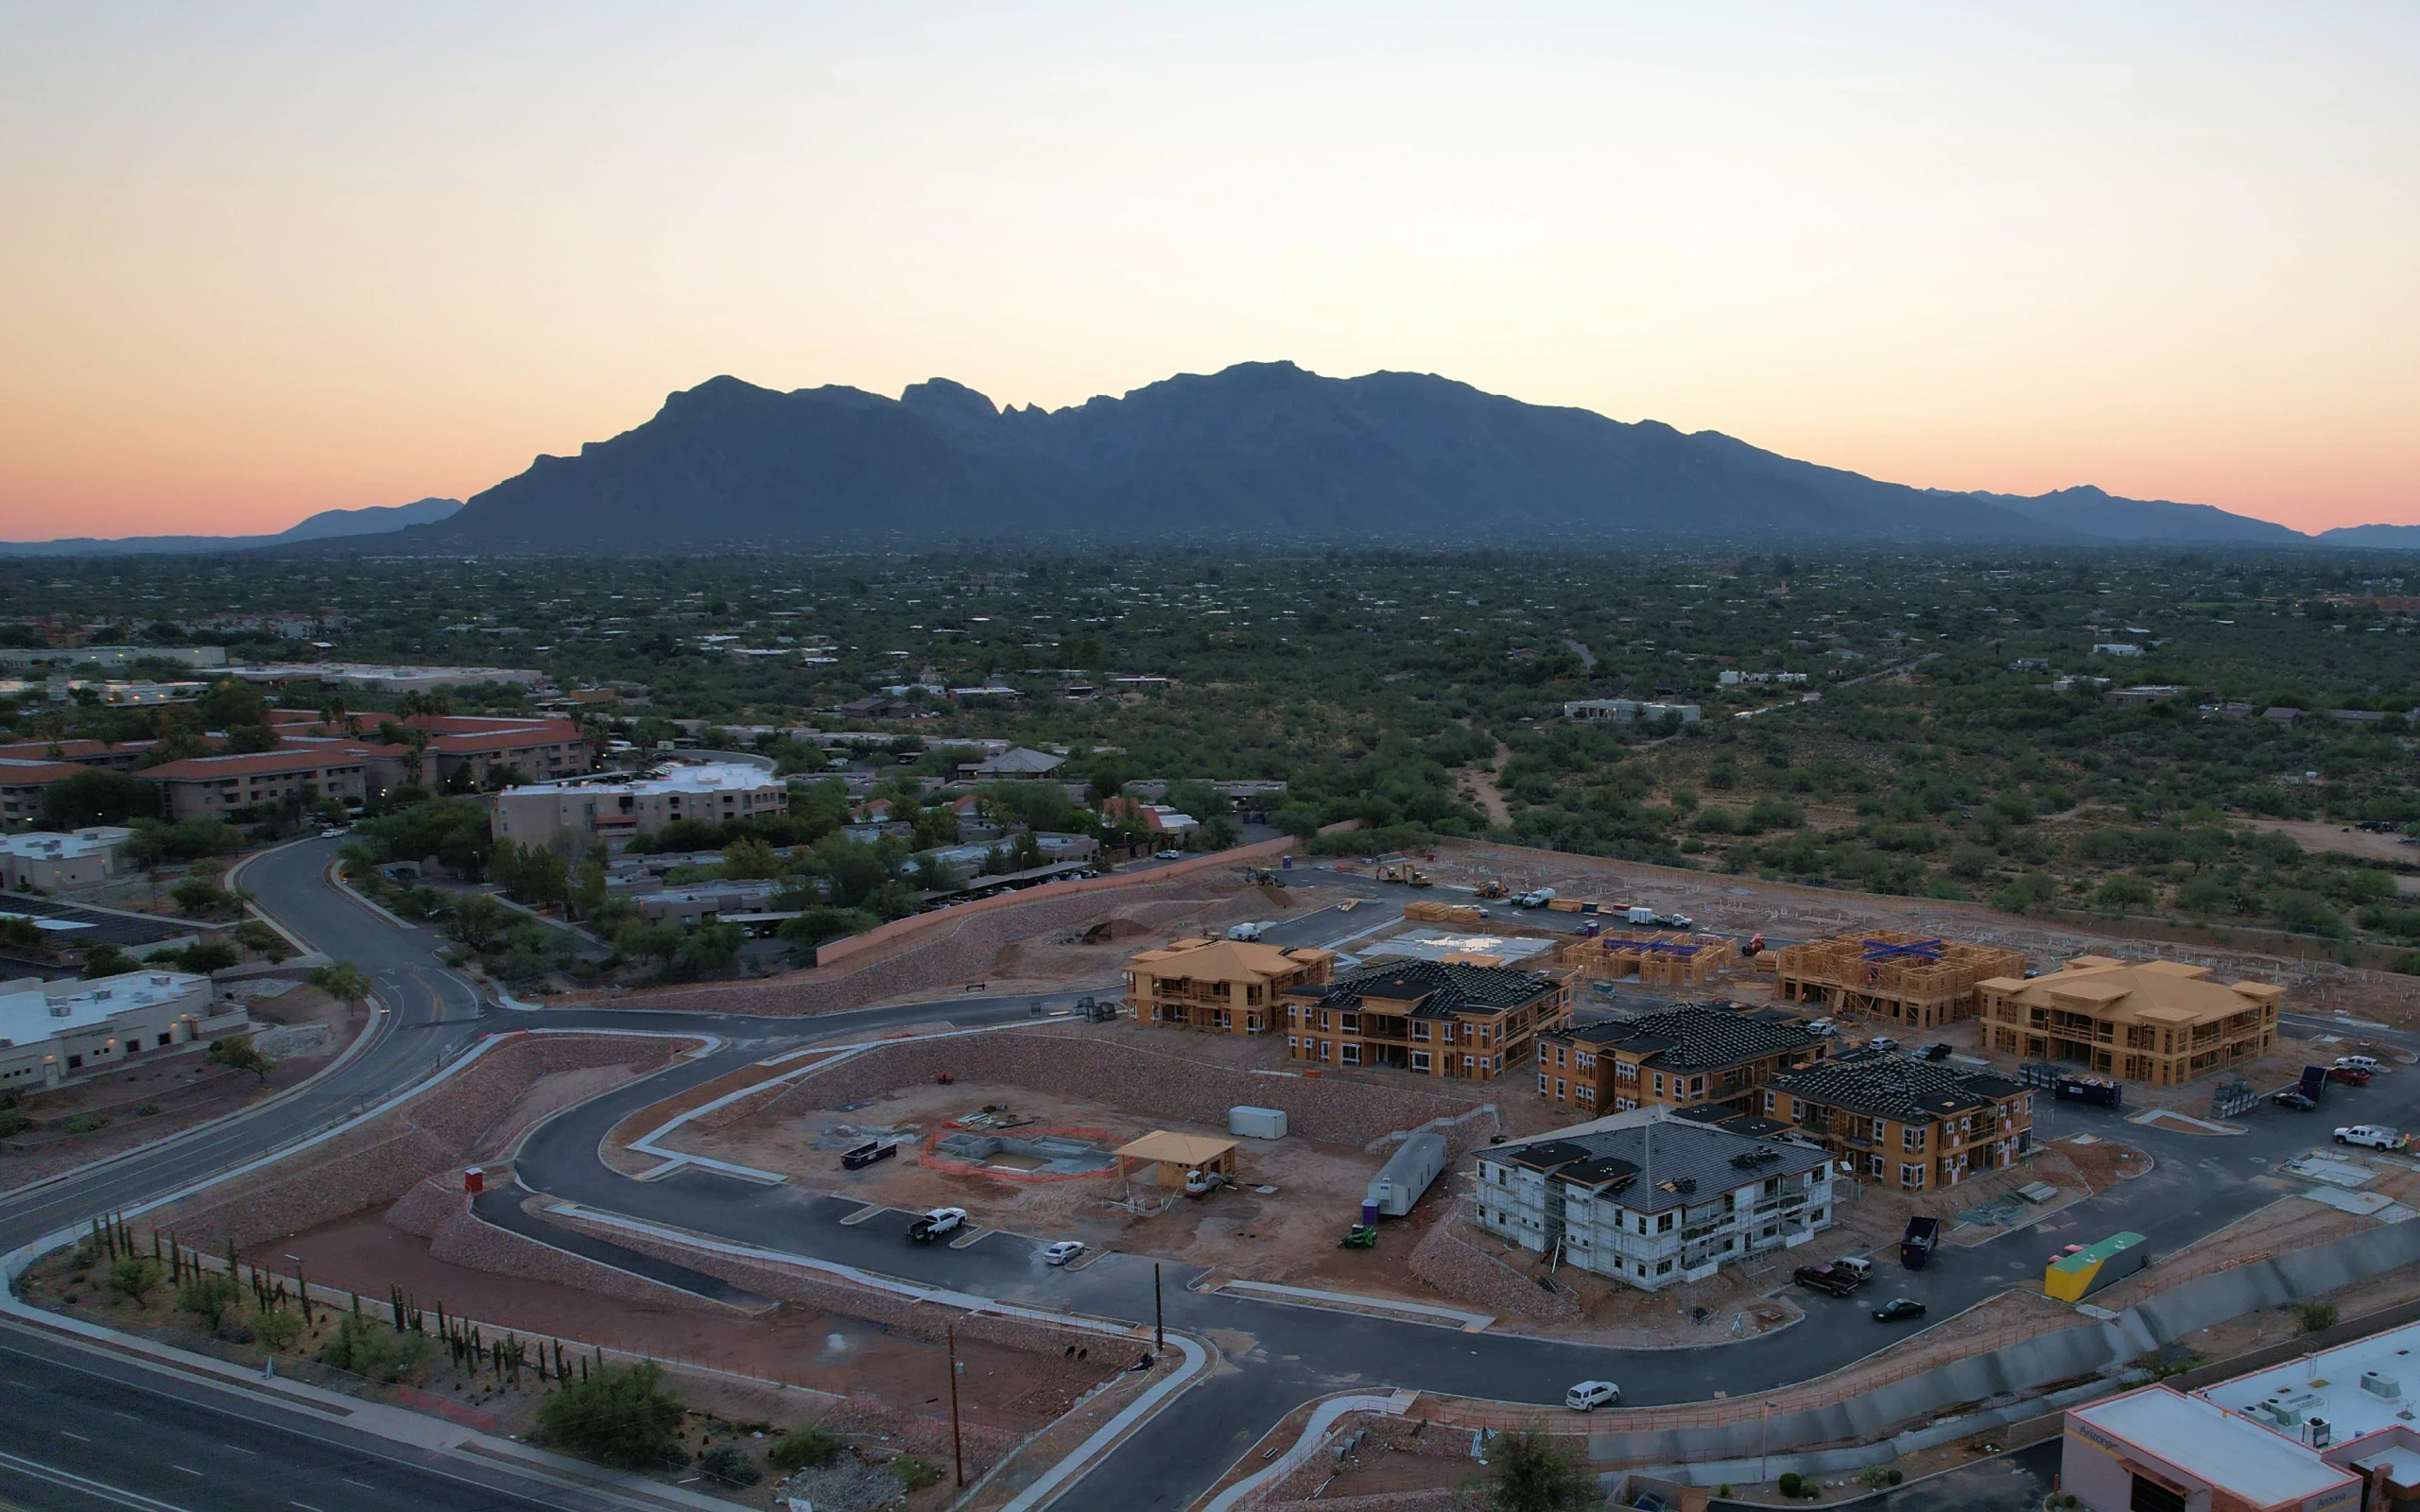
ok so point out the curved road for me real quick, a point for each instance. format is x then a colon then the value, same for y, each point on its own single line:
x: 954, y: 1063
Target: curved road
x: 1275, y: 1356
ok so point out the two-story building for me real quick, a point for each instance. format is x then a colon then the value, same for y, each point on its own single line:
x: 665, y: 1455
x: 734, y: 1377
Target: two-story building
x: 1696, y: 1053
x: 1432, y: 1017
x: 1231, y: 985
x: 1653, y: 1200
x: 537, y: 813
x: 2163, y: 1022
x: 1913, y: 1124
x: 54, y: 1032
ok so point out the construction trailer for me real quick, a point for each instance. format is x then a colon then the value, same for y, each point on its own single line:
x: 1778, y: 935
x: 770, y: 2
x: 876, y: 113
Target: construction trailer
x: 1656, y: 960
x: 1404, y: 1177
x: 1920, y: 982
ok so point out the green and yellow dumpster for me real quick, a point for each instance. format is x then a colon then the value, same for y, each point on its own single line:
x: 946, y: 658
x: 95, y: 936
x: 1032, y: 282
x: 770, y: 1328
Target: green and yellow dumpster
x: 2071, y: 1278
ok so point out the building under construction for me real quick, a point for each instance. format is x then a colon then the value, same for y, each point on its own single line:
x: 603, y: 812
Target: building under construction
x: 1882, y: 973
x: 1656, y: 960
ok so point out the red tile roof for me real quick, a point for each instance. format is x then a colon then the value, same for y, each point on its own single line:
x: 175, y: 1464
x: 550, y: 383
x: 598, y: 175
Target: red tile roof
x: 309, y: 758
x: 15, y: 771
x: 73, y: 750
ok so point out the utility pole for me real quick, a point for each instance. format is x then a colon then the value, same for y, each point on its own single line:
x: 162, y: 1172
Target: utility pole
x: 1764, y: 1438
x: 1159, y: 1325
x: 957, y: 1448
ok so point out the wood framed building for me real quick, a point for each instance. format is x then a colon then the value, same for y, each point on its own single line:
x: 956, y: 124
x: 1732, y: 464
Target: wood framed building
x: 1884, y: 973
x: 1430, y: 1018
x: 1231, y: 985
x: 1912, y: 1124
x: 1687, y: 1056
x: 1687, y: 961
x: 2161, y: 1023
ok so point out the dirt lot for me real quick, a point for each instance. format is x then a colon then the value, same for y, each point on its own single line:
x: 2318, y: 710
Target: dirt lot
x: 1285, y: 1236
x: 164, y: 1094
x: 2342, y: 838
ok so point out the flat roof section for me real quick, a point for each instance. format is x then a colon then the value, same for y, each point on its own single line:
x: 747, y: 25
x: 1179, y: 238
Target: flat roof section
x: 2330, y: 1385
x: 2209, y: 1445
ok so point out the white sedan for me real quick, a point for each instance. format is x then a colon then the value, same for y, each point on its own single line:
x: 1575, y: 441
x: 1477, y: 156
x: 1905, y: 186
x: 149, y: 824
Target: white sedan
x: 1062, y: 1252
x: 2372, y: 1137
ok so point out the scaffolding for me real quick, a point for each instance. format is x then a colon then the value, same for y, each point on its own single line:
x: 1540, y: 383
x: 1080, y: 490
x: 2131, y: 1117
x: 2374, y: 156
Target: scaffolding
x: 1920, y: 982
x: 1655, y: 959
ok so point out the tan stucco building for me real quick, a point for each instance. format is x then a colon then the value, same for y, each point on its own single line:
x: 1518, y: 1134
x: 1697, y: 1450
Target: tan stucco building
x: 1228, y: 985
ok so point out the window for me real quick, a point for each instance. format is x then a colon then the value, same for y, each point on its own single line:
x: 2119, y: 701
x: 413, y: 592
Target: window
x: 1350, y: 1054
x: 1911, y: 1175
x: 1696, y: 1086
x: 1664, y: 1222
x: 2151, y: 1496
x: 1585, y: 1094
x: 1541, y: 1084
x: 1769, y: 1102
x: 1558, y: 1088
x: 1911, y: 1138
x: 1291, y: 1042
x: 1542, y: 1053
x: 1420, y: 1060
x: 1659, y: 1084
x: 1323, y: 1050
x: 1419, y: 1029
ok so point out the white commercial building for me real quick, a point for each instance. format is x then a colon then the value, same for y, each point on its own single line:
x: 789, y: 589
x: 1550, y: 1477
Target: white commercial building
x: 50, y: 861
x: 1628, y: 710
x: 2330, y: 1432
x: 51, y: 1032
x: 536, y: 814
x: 1654, y: 1201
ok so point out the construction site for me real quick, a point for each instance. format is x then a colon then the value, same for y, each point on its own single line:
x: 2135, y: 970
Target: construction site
x: 1892, y: 976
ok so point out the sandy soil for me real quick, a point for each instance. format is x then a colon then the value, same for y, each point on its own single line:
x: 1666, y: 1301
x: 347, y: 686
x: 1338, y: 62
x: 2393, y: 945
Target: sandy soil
x: 826, y: 1352
x: 2342, y: 838
x: 177, y: 1088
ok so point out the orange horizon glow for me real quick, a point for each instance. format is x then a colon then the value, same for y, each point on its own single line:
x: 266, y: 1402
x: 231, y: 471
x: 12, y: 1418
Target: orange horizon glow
x: 264, y: 265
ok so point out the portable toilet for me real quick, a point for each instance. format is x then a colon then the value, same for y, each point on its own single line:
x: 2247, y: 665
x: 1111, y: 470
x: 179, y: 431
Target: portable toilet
x: 1403, y: 1179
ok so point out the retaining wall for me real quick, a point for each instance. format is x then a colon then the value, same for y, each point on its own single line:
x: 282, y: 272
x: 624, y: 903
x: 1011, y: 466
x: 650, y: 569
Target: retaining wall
x: 2024, y: 1366
x: 1175, y: 1090
x: 1444, y: 1260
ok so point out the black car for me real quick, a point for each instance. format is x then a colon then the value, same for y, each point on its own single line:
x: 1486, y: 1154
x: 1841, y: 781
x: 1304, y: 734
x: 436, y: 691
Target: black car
x: 2290, y: 1098
x: 1897, y: 1308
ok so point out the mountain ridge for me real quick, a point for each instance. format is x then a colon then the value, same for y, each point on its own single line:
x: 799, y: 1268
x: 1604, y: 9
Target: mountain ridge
x: 328, y: 525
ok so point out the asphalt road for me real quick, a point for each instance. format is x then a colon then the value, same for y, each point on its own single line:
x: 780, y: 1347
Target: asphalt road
x: 1274, y: 1355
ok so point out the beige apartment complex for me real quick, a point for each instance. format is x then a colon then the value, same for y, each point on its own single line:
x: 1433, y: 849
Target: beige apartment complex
x: 540, y: 812
x: 2163, y: 1022
x: 1228, y: 985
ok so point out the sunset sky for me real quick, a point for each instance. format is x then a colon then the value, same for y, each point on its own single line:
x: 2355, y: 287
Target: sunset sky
x: 257, y: 261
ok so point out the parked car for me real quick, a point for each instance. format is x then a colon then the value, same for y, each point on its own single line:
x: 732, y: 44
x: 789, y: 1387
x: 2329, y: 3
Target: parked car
x: 1841, y: 1276
x: 931, y: 1225
x: 1897, y: 1308
x: 1063, y: 1251
x: 335, y: 832
x: 2367, y: 1063
x: 1821, y: 1028
x: 1590, y: 1395
x: 2290, y: 1098
x: 2372, y: 1137
x: 1882, y: 1041
x: 2350, y: 1075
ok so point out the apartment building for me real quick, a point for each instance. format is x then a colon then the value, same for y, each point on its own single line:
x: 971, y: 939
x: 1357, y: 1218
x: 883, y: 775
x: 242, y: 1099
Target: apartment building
x: 1884, y: 973
x: 1236, y: 986
x: 536, y: 814
x: 2161, y: 1023
x: 222, y: 786
x: 116, y: 756
x: 1681, y: 1058
x: 51, y: 1032
x: 532, y: 750
x: 1913, y: 1124
x: 1430, y: 1018
x: 1653, y: 1200
x: 23, y: 782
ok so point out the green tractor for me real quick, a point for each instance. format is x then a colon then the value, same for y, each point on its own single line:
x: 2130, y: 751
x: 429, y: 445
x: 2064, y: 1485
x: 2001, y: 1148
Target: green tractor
x: 1360, y: 1236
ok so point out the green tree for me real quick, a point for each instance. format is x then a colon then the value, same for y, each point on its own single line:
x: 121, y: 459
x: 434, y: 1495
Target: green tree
x: 230, y: 702
x: 477, y: 920
x: 813, y: 1445
x: 98, y: 796
x: 341, y: 980
x: 197, y: 896
x: 587, y: 895
x: 107, y: 960
x: 133, y: 1275
x: 236, y: 1053
x: 620, y: 1415
x: 208, y: 1297
x: 1534, y: 1472
x: 748, y: 858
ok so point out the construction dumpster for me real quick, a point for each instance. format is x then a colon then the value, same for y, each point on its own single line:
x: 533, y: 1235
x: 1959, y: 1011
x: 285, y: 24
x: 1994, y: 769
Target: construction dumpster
x: 2072, y: 1278
x: 1257, y: 1123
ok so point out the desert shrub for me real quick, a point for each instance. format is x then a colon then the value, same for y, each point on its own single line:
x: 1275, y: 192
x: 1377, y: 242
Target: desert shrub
x: 278, y: 1327
x: 2317, y: 1318
x: 915, y: 1473
x: 621, y: 1416
x: 1789, y: 1483
x: 730, y: 1464
x: 88, y: 1123
x: 131, y: 1276
x: 803, y: 1447
x: 208, y: 1297
x: 372, y: 1350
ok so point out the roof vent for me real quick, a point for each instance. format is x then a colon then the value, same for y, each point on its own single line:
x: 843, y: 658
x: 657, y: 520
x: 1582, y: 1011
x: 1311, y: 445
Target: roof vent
x: 2383, y: 1387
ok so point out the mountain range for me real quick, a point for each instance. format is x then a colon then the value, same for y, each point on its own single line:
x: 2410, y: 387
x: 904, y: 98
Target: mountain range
x: 1257, y: 450
x: 328, y: 525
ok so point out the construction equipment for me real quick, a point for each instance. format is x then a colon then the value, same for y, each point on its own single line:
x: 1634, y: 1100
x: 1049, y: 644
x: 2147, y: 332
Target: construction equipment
x: 1262, y: 876
x: 1360, y: 1236
x: 1405, y: 873
x: 1491, y: 889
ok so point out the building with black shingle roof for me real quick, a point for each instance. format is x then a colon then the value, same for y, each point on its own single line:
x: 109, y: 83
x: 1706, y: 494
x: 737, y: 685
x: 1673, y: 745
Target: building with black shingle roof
x: 1654, y: 1198
x: 1914, y: 1123
x: 1432, y: 1017
x: 1695, y: 1054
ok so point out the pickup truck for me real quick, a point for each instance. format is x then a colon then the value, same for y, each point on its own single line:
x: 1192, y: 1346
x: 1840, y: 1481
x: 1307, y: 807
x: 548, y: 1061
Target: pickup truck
x: 1916, y: 1244
x: 931, y: 1225
x: 1839, y: 1277
x: 866, y: 1153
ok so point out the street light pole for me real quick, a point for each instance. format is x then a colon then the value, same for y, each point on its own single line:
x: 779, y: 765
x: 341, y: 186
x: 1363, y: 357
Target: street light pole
x: 957, y: 1448
x: 301, y: 1289
x: 1764, y: 1438
x: 1159, y: 1325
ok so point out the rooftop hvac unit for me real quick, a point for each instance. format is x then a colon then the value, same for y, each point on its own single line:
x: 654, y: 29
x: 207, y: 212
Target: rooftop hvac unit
x: 2381, y: 1385
x: 2317, y: 1432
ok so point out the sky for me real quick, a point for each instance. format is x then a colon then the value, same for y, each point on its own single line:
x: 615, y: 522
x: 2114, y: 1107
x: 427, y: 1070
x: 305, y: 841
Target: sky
x: 258, y: 261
